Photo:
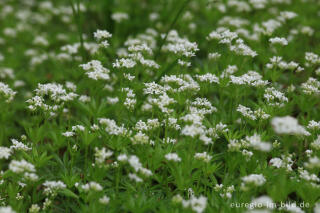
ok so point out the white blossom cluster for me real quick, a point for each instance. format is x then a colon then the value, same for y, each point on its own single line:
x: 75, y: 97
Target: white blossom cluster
x: 7, y: 93
x: 95, y: 70
x: 50, y: 97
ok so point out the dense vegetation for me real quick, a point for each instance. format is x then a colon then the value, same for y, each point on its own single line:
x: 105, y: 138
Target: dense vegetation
x: 159, y: 106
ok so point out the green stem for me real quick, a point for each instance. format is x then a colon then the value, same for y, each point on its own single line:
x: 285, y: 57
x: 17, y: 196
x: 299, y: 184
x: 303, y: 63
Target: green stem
x: 171, y: 26
x: 76, y: 16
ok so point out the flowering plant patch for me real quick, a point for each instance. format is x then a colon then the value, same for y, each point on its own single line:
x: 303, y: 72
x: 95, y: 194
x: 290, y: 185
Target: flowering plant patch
x: 159, y: 106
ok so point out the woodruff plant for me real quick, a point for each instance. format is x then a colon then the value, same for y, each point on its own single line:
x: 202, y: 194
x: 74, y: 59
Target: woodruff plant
x: 159, y: 106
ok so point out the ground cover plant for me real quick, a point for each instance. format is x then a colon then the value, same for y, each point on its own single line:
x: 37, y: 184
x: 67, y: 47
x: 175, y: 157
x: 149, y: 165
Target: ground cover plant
x: 159, y: 106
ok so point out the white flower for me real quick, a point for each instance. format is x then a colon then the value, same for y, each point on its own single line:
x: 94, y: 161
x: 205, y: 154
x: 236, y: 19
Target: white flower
x: 275, y: 97
x: 122, y: 157
x: 135, y: 177
x: 203, y: 156
x: 313, y: 162
x: 288, y: 14
x: 196, y: 204
x: 104, y: 200
x: 140, y: 138
x: 119, y: 16
x: 6, y: 209
x: 68, y: 134
x: 311, y: 87
x: 7, y: 92
x: 34, y: 208
x: 102, y: 34
x: 288, y: 125
x: 4, y: 152
x: 51, y: 187
x: 256, y: 143
x: 276, y: 162
x: 263, y: 201
x: 31, y: 176
x: 17, y: 145
x: 313, y: 125
x: 316, y: 143
x: 253, y: 179
x: 101, y: 155
x: 172, y: 157
x: 278, y: 40
x: 214, y: 56
x: 95, y: 70
x: 92, y: 186
x: 21, y: 166
x: 180, y: 46
x: 124, y: 62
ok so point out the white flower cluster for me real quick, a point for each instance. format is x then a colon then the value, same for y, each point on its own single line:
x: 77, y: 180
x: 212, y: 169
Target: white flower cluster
x: 92, y: 186
x: 224, y: 191
x: 285, y: 162
x: 261, y: 204
x: 288, y: 125
x: 151, y: 124
x: 17, y: 145
x: 278, y: 40
x: 5, y: 152
x: 119, y: 16
x: 311, y: 87
x: 130, y: 100
x: 23, y: 167
x: 102, y: 36
x: 7, y: 92
x: 74, y: 129
x: 252, y: 180
x: 140, y: 138
x: 104, y: 200
x: 95, y: 70
x: 235, y: 44
x: 6, y: 73
x: 101, y: 155
x: 6, y: 209
x: 196, y: 128
x: 180, y: 46
x: 277, y: 62
x: 182, y: 82
x: 50, y: 97
x: 112, y: 128
x: 312, y: 59
x: 204, y: 156
x: 162, y: 101
x: 275, y: 97
x: 134, y: 162
x: 214, y: 56
x: 256, y: 143
x: 313, y: 125
x: 313, y: 162
x: 305, y: 175
x: 208, y: 77
x: 69, y: 52
x: 172, y: 157
x: 251, y: 78
x: 253, y: 142
x: 201, y: 106
x: 52, y: 187
x: 124, y: 63
x: 316, y: 143
x: 252, y: 115
x: 196, y: 204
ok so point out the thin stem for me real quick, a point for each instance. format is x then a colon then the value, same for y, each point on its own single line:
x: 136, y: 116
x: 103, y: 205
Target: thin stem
x: 76, y: 16
x: 171, y: 26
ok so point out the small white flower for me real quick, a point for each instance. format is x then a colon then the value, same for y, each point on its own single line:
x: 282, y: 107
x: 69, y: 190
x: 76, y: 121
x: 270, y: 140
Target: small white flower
x: 104, y: 200
x: 172, y: 157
